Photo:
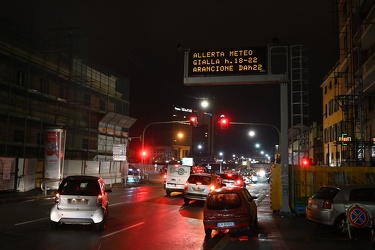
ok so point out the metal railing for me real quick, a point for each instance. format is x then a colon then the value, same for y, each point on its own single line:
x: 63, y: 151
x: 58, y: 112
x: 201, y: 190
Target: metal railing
x: 45, y: 185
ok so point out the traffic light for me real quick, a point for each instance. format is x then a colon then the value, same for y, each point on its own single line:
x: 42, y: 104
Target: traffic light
x: 305, y: 161
x: 144, y: 153
x: 193, y: 121
x: 224, y: 122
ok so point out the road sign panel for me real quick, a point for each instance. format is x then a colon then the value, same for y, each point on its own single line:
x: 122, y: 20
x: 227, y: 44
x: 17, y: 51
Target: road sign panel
x: 358, y: 216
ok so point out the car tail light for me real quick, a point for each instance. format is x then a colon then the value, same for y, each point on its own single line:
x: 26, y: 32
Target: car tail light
x: 165, y: 176
x: 198, y: 183
x: 99, y: 200
x: 328, y: 204
x: 238, y: 181
x: 186, y: 185
x: 57, y: 198
x: 212, y: 187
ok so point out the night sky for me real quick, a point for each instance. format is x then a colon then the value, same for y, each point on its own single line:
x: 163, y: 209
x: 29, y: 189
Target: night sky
x: 138, y: 39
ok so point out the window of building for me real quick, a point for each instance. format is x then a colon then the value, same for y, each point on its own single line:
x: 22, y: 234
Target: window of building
x: 44, y: 85
x: 87, y: 99
x: 21, y: 77
x: 102, y: 105
x: 18, y: 135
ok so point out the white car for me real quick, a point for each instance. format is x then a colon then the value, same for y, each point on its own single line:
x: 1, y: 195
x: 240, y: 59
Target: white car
x: 81, y: 199
x: 254, y: 178
x: 198, y: 186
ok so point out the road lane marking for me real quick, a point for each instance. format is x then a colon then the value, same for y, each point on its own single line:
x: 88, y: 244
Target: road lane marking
x: 30, y: 221
x: 119, y: 231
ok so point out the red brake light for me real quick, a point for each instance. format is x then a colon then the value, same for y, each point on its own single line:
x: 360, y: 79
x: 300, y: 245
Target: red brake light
x: 57, y: 198
x: 239, y: 182
x: 99, y: 200
x: 230, y: 175
x: 165, y: 176
x: 327, y: 204
x: 212, y: 187
x: 198, y: 183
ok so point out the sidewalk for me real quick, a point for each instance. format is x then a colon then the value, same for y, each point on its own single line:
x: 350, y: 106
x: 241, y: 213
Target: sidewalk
x: 37, y: 193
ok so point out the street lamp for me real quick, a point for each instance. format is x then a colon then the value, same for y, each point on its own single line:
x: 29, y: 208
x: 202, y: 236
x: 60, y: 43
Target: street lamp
x: 210, y: 137
x: 251, y: 133
x: 221, y: 162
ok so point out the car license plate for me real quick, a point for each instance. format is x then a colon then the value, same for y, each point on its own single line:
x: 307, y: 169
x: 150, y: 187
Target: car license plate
x: 225, y: 224
x: 314, y: 206
x: 78, y: 201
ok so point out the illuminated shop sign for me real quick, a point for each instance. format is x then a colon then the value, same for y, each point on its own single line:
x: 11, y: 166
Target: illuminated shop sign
x: 228, y: 61
x: 344, y: 139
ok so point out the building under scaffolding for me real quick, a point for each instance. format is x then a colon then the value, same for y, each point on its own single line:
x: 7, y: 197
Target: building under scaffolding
x: 349, y: 89
x: 50, y: 84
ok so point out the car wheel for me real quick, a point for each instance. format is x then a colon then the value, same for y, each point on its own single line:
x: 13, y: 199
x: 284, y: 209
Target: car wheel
x: 208, y: 231
x: 100, y: 226
x: 186, y: 201
x: 54, y: 225
x: 168, y: 192
x: 341, y: 225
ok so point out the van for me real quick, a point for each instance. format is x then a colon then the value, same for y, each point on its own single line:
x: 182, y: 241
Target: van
x: 176, y: 178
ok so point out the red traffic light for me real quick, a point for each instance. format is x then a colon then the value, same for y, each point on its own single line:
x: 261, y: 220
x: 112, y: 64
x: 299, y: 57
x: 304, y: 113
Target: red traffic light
x: 144, y: 153
x: 193, y: 121
x: 305, y: 162
x: 224, y: 123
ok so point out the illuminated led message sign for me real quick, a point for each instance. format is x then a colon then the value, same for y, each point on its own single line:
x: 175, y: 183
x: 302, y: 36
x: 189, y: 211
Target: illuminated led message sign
x: 228, y: 61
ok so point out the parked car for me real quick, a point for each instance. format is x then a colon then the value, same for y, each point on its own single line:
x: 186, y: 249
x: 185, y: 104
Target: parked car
x: 81, y: 199
x: 230, y: 208
x: 199, y: 185
x: 328, y: 205
x: 231, y: 179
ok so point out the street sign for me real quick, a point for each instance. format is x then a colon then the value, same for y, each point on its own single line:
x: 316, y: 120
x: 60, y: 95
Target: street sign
x: 358, y: 216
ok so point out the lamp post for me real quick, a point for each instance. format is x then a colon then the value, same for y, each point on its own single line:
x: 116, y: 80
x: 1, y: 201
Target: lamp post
x: 210, y: 138
x: 221, y: 162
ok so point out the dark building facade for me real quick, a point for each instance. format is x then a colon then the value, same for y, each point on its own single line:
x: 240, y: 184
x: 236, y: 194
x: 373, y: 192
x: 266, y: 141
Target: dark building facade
x: 49, y: 84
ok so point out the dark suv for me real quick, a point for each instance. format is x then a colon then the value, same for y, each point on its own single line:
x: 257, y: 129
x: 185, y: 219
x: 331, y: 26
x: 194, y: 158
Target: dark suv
x: 81, y: 200
x: 198, y: 186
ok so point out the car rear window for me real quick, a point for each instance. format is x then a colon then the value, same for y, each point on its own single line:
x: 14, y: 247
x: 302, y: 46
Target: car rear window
x: 223, y: 201
x: 80, y: 187
x: 204, y: 180
x: 229, y: 176
x: 326, y: 193
x: 362, y: 194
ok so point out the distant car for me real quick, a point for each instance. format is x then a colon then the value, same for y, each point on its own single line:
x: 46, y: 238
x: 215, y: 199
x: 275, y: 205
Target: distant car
x: 132, y: 170
x: 81, y: 199
x: 198, y: 186
x: 231, y: 179
x: 230, y: 208
x: 254, y: 178
x: 328, y: 205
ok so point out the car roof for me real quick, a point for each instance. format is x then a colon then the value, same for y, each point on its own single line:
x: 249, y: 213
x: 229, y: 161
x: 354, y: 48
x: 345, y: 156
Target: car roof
x: 351, y: 186
x: 227, y: 189
x: 203, y: 174
x: 82, y: 177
